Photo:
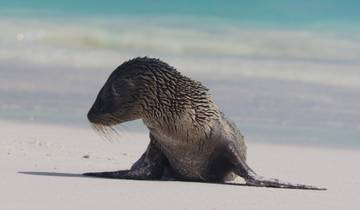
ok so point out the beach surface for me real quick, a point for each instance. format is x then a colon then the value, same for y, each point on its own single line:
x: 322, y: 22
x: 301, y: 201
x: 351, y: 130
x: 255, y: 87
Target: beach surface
x: 41, y: 164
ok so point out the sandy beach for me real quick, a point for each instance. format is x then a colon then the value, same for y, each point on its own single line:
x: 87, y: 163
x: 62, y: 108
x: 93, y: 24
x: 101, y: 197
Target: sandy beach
x: 41, y: 165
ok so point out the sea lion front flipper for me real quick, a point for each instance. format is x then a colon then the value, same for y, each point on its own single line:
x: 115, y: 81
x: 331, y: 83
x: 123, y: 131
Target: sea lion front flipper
x: 124, y: 174
x: 150, y: 166
x: 252, y: 179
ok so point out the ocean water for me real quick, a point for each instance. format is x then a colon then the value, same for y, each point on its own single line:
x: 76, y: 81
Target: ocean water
x: 284, y: 71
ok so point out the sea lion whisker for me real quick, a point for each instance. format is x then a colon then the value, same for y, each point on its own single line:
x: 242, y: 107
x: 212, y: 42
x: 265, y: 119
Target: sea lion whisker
x: 95, y: 127
x: 108, y: 134
x: 114, y: 130
x: 102, y: 131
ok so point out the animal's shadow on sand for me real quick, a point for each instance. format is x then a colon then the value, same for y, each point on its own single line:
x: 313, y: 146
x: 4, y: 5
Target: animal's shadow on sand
x: 59, y: 174
x: 43, y: 173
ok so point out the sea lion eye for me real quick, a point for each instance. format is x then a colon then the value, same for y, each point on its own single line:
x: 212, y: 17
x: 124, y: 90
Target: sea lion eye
x: 120, y: 87
x: 115, y: 90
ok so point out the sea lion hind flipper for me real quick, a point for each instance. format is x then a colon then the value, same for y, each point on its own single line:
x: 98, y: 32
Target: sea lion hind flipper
x: 275, y: 183
x: 252, y: 179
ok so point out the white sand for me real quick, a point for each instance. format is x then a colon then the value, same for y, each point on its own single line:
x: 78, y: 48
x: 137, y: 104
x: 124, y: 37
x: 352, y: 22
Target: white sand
x: 55, y: 155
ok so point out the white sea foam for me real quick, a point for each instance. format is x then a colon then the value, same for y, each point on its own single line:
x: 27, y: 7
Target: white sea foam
x: 288, y: 54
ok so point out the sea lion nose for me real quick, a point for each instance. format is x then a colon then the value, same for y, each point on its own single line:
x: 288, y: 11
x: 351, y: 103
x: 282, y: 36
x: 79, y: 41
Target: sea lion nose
x: 92, y: 115
x: 95, y: 110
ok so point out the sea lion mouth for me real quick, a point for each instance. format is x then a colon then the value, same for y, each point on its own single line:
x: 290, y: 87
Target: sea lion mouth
x: 104, y: 124
x: 103, y: 119
x: 106, y: 131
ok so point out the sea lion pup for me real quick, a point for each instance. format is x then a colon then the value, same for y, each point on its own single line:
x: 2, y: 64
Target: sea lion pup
x: 190, y: 139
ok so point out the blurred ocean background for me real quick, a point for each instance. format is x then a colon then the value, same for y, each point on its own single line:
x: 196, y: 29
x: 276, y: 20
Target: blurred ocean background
x: 285, y: 71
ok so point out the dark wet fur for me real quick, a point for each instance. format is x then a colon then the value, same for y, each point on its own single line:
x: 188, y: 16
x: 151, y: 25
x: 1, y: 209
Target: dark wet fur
x: 190, y: 139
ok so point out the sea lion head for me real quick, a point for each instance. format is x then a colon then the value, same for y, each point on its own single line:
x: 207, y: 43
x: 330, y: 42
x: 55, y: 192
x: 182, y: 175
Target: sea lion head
x: 119, y: 99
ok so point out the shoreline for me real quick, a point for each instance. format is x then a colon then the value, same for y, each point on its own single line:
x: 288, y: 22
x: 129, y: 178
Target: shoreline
x: 136, y: 128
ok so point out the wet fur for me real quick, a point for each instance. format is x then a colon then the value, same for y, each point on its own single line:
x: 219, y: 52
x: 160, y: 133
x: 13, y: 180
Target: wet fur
x: 190, y: 139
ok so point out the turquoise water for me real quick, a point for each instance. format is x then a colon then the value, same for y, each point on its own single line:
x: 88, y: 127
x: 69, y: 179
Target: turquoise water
x: 284, y: 71
x: 268, y: 11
